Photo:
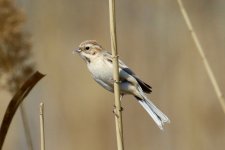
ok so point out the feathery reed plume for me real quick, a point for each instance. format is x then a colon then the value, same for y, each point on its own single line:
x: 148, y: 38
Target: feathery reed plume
x: 15, y: 52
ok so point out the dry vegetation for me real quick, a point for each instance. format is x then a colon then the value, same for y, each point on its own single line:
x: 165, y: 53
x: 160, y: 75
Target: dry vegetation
x: 15, y: 47
x: 16, y: 64
x: 152, y: 39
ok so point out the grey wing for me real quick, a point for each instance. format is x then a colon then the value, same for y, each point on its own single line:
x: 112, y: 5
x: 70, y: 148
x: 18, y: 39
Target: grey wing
x: 145, y: 87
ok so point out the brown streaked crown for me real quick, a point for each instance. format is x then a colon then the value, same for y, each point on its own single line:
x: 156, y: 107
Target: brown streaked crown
x: 92, y: 42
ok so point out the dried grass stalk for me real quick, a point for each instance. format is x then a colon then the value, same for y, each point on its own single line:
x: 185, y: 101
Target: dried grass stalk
x: 202, y: 54
x: 15, y: 103
x: 118, y: 116
x: 42, y: 131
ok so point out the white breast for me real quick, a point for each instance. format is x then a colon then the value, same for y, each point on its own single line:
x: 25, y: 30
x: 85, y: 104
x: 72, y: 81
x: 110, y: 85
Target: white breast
x: 102, y: 72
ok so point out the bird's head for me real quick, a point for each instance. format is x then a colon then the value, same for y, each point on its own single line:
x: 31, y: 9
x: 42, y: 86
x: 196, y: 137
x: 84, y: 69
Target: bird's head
x: 89, y: 50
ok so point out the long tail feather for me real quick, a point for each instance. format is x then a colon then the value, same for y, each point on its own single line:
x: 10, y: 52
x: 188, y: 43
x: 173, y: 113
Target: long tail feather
x: 159, y: 117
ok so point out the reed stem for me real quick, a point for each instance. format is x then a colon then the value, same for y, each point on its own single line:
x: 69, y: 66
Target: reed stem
x: 118, y: 116
x: 202, y: 54
x: 42, y: 131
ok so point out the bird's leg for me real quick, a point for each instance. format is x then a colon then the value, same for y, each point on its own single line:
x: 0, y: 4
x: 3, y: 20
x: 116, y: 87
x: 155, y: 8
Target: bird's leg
x: 121, y: 96
x: 114, y: 107
x: 114, y: 111
x: 121, y: 108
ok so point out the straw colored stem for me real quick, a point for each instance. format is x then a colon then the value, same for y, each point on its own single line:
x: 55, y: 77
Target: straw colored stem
x: 202, y: 54
x: 118, y: 116
x: 42, y: 126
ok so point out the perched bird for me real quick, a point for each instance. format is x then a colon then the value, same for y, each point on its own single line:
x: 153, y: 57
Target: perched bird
x: 99, y: 63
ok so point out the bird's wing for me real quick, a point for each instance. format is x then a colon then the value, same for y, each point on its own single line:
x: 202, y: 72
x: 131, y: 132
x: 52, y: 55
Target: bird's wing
x: 127, y: 74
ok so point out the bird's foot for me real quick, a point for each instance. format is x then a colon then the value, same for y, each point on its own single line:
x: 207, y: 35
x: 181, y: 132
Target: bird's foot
x: 114, y: 111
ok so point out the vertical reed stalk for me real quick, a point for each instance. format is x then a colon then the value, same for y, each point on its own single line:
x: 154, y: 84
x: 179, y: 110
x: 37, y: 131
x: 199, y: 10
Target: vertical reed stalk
x: 42, y: 131
x: 26, y: 127
x: 118, y: 116
x: 202, y: 54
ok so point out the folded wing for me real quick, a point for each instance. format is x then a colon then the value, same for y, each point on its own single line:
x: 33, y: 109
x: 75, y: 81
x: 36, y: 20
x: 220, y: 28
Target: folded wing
x: 145, y: 87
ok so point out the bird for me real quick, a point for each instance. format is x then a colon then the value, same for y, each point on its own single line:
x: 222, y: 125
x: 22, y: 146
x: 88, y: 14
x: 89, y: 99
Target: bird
x: 100, y: 64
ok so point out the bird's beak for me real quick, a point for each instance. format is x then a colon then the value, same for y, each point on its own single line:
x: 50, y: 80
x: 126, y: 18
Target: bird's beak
x: 76, y: 51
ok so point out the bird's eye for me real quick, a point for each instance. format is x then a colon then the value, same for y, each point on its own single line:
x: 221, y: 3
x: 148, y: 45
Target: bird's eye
x: 87, y: 48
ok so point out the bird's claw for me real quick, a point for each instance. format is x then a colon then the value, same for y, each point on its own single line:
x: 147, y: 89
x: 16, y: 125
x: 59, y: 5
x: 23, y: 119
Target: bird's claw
x: 114, y: 110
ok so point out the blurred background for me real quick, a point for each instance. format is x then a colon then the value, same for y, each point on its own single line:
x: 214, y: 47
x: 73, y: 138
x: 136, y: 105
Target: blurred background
x: 152, y: 39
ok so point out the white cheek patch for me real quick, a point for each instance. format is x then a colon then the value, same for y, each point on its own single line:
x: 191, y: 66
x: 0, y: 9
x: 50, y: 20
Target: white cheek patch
x: 86, y: 57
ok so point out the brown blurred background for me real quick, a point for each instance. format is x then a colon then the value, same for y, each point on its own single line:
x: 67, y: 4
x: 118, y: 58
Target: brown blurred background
x: 154, y: 41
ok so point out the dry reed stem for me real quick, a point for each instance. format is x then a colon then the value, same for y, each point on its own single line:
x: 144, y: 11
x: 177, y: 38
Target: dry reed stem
x: 118, y: 116
x: 15, y: 102
x: 42, y: 131
x: 202, y: 54
x: 26, y: 127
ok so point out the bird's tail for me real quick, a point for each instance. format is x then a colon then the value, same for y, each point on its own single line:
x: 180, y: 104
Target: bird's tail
x: 159, y: 117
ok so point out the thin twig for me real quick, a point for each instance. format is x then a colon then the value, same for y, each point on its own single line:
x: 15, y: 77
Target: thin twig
x: 118, y: 116
x: 42, y: 126
x: 202, y: 54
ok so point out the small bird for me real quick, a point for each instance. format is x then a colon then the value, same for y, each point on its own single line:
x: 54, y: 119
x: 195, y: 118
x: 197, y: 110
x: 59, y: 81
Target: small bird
x: 100, y: 65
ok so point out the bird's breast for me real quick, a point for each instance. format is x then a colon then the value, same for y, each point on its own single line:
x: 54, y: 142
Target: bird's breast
x: 101, y: 70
